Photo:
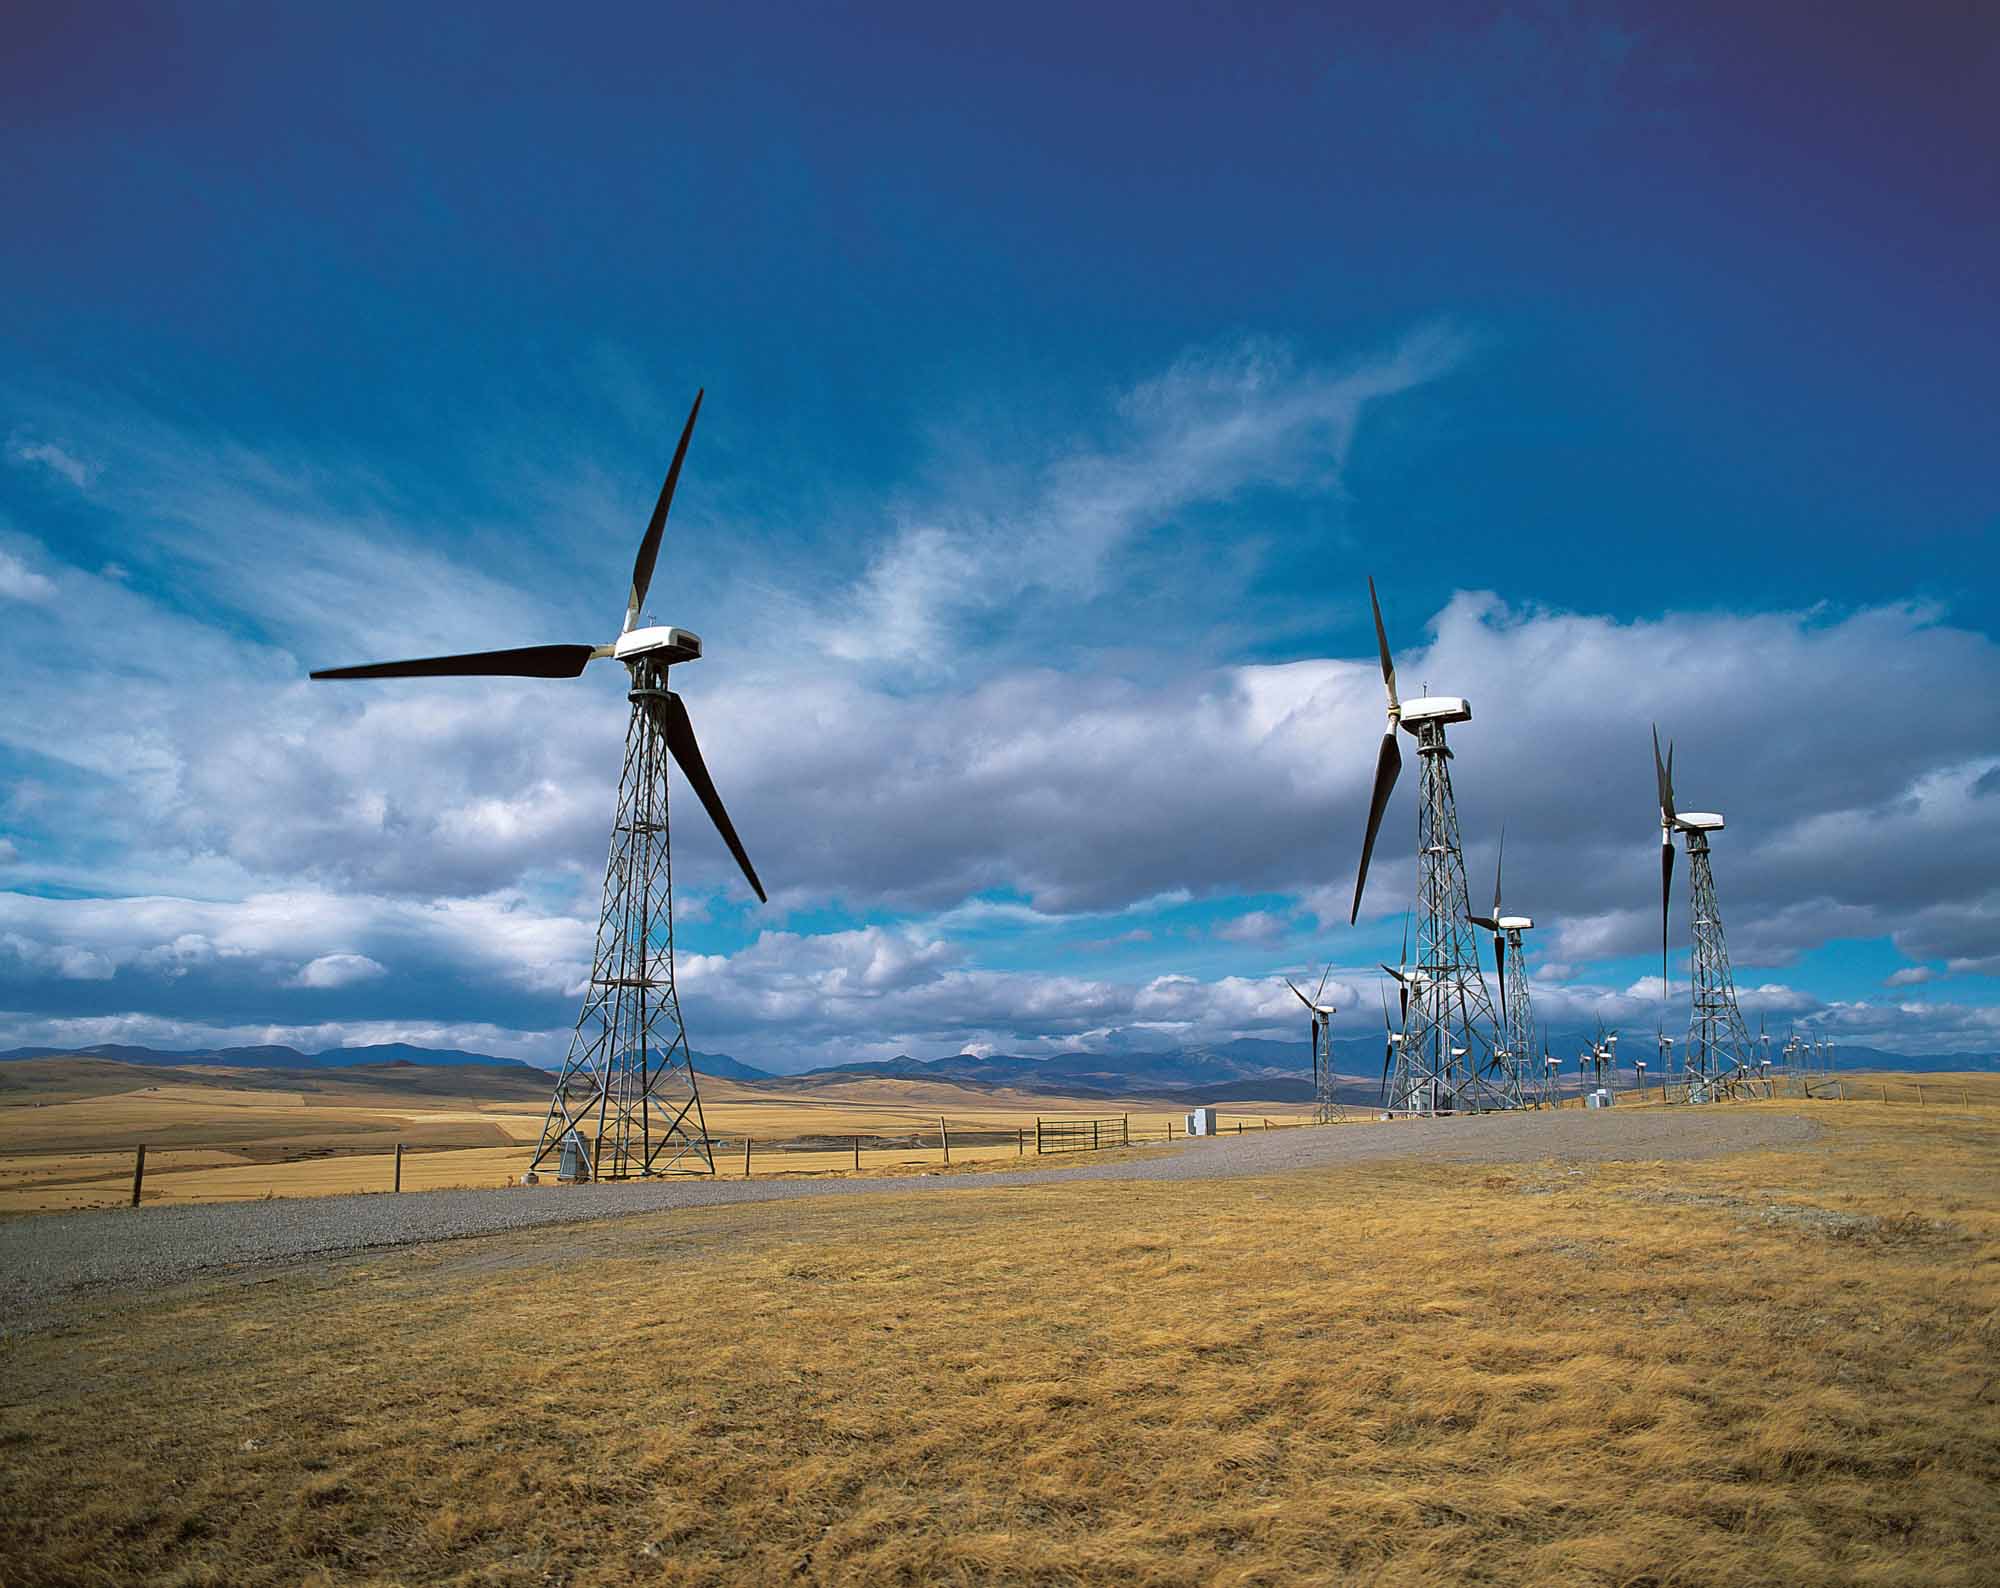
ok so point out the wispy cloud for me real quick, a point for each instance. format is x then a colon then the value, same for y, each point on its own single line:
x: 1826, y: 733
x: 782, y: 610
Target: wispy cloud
x: 46, y: 454
x: 1210, y: 427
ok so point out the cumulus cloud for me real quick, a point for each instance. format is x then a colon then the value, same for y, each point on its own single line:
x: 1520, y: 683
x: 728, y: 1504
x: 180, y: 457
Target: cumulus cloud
x: 229, y: 838
x: 1255, y: 926
x: 338, y: 970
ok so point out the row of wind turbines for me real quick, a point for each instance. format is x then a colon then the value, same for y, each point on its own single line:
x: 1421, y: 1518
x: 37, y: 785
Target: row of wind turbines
x: 1451, y: 1050
x: 628, y: 1103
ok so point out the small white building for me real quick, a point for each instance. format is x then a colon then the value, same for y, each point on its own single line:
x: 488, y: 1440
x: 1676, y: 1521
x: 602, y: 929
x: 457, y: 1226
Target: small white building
x: 1201, y: 1122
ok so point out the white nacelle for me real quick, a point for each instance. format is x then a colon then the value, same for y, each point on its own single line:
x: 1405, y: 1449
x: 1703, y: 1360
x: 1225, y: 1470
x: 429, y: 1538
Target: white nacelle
x: 643, y: 642
x: 1701, y: 821
x: 1324, y: 1009
x: 1515, y: 923
x: 1437, y: 708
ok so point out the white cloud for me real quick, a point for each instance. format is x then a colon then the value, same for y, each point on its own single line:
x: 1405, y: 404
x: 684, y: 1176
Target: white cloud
x: 1257, y: 926
x: 47, y: 455
x: 338, y: 970
x: 19, y: 582
x: 1210, y: 427
x: 454, y: 832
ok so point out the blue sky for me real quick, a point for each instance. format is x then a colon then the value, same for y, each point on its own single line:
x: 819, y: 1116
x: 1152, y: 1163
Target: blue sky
x: 1066, y: 375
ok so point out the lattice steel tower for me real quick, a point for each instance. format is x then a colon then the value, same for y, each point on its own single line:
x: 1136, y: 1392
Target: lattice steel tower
x: 1448, y: 1057
x: 628, y: 1088
x: 1326, y: 1106
x: 1719, y: 1060
x: 1517, y: 1013
x: 627, y: 1102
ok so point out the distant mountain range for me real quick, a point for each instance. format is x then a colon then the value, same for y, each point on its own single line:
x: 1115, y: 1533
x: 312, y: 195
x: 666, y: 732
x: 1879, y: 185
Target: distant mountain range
x: 273, y: 1056
x: 1242, y: 1070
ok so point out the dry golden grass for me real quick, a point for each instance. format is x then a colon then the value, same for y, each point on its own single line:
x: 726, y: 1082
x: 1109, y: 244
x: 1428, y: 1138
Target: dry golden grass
x: 1771, y: 1368
x: 65, y: 1145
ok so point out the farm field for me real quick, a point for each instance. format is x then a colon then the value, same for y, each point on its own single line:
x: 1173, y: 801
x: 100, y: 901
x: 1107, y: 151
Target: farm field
x: 68, y: 1143
x: 1776, y: 1366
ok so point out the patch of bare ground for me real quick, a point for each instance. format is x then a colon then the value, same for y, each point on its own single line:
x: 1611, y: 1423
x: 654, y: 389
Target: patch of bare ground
x: 1776, y: 1366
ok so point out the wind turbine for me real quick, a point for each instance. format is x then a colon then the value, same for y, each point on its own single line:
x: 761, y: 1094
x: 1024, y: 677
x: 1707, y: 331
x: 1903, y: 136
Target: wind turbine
x: 1718, y: 1059
x: 627, y: 1095
x: 1326, y: 1107
x: 1391, y: 1040
x: 1447, y: 1057
x: 1517, y: 1015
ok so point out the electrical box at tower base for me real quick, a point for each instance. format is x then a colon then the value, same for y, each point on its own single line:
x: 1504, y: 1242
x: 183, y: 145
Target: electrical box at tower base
x: 1201, y: 1122
x: 1601, y: 1098
x: 575, y: 1163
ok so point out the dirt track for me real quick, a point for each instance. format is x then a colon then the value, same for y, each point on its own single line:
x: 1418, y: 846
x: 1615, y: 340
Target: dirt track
x: 46, y: 1257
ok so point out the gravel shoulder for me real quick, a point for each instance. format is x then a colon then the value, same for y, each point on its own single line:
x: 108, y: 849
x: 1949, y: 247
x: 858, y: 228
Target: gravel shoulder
x: 47, y: 1257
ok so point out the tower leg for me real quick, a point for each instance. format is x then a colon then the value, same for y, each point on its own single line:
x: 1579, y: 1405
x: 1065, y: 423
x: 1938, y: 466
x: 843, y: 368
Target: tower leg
x: 628, y: 1090
x: 1451, y: 1057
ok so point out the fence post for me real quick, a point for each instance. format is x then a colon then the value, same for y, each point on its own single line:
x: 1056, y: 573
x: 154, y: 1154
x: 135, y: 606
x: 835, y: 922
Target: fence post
x: 857, y: 1152
x: 1093, y: 1135
x: 1038, y: 1137
x: 746, y: 1157
x: 1020, y: 1140
x: 399, y: 1166
x: 1125, y: 1129
x: 596, y: 1151
x: 944, y: 1138
x: 1885, y: 1091
x: 138, y: 1173
x: 1239, y: 1127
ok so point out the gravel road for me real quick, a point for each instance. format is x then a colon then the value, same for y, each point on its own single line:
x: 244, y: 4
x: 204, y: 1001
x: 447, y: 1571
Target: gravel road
x: 44, y: 1257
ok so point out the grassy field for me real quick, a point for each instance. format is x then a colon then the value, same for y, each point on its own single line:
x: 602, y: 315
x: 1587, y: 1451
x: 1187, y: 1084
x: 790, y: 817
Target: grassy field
x: 68, y: 1130
x: 1767, y: 1368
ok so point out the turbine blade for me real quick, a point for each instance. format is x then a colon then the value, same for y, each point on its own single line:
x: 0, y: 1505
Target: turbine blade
x: 1663, y: 777
x: 1398, y: 975
x: 680, y: 739
x: 649, y: 548
x: 1302, y: 998
x: 1485, y: 922
x: 1321, y: 988
x: 1500, y: 972
x: 526, y: 661
x: 1388, y: 763
x: 1382, y: 644
x: 1666, y: 894
x: 1498, y: 861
